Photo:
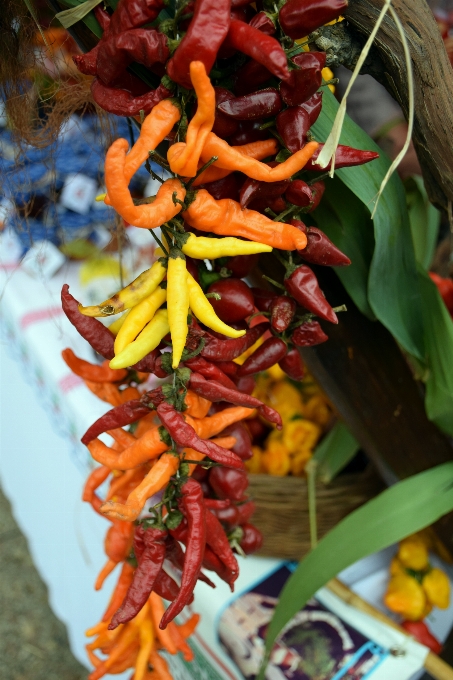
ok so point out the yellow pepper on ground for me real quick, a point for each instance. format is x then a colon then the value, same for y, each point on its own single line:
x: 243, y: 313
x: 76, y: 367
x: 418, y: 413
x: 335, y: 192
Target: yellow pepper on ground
x: 275, y: 459
x: 436, y: 585
x: 405, y: 596
x: 299, y: 434
x: 413, y: 553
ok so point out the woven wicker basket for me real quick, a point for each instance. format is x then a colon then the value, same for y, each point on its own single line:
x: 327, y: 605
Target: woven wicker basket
x: 282, y: 508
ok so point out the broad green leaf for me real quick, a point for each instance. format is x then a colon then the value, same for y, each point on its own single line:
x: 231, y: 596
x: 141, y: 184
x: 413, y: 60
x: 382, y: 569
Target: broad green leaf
x: 335, y: 451
x: 72, y: 15
x: 347, y: 223
x: 393, y: 292
x: 439, y: 344
x: 397, y: 512
x: 424, y: 219
x: 89, y: 20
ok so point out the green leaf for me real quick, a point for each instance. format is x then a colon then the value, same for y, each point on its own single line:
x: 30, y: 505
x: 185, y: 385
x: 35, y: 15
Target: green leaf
x: 399, y: 511
x: 335, y: 451
x: 71, y: 16
x: 424, y: 219
x: 89, y: 20
x: 31, y: 8
x: 393, y: 292
x: 347, y: 223
x: 439, y: 343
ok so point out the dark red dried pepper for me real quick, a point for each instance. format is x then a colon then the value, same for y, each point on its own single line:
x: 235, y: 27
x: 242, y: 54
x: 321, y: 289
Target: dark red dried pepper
x: 123, y: 103
x: 236, y: 300
x: 266, y: 355
x: 145, y: 575
x: 142, y: 45
x: 319, y: 248
x: 263, y: 298
x: 250, y: 77
x: 92, y: 330
x: 298, y: 18
x: 261, y: 47
x: 292, y: 364
x: 264, y: 23
x: 227, y: 187
x: 209, y: 370
x: 304, y: 82
x: 299, y: 193
x: 216, y: 539
x: 230, y: 484
x: 253, y: 190
x: 292, y: 126
x: 184, y: 435
x: 302, y: 285
x: 122, y: 415
x: 308, y: 334
x: 345, y: 157
x: 259, y: 104
x: 226, y: 350
x: 224, y: 126
x: 282, y: 311
x: 313, y: 107
x: 252, y: 539
x: 243, y: 445
x: 207, y: 31
x: 192, y: 506
x: 248, y: 131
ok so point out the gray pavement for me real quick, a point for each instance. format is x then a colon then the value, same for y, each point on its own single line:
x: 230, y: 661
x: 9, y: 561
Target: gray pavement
x: 33, y: 642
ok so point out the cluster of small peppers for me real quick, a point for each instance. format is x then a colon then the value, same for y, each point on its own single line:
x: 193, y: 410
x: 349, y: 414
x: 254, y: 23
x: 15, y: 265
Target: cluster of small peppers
x: 306, y: 415
x: 415, y: 587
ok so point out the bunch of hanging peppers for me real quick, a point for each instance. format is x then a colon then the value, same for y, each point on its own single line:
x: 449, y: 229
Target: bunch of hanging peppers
x: 237, y: 92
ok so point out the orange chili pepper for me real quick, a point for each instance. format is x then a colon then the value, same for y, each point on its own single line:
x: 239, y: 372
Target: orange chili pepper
x: 230, y: 159
x: 155, y: 480
x: 92, y: 372
x: 227, y: 218
x: 180, y: 641
x: 155, y: 128
x: 122, y: 586
x: 197, y: 407
x: 160, y: 665
x: 129, y: 393
x: 146, y: 448
x: 157, y: 612
x: 94, y: 481
x: 107, y: 569
x: 122, y: 437
x: 149, y: 215
x: 106, y: 391
x: 212, y: 425
x: 118, y: 483
x: 257, y: 150
x: 187, y: 628
x: 183, y: 157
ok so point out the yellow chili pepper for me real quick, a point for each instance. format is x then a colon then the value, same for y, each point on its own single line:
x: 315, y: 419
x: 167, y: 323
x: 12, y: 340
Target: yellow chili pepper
x: 230, y: 159
x: 299, y: 462
x: 299, y: 434
x: 317, y: 408
x: 204, y: 248
x: 254, y: 464
x: 275, y: 459
x: 146, y: 341
x: 183, y: 157
x: 117, y: 324
x: 413, y: 553
x: 131, y: 295
x: 177, y: 303
x: 406, y: 597
x: 436, y: 585
x: 138, y: 317
x: 204, y: 311
x: 396, y: 567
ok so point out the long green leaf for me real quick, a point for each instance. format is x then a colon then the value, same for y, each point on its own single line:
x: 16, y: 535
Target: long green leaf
x: 335, y: 451
x: 439, y: 342
x: 424, y: 219
x: 347, y: 223
x: 89, y: 20
x: 393, y: 292
x: 399, y: 511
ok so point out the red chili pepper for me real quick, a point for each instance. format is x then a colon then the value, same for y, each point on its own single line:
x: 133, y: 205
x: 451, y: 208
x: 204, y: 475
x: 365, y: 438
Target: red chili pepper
x: 236, y: 515
x: 241, y: 265
x: 248, y: 131
x: 167, y: 588
x: 226, y: 485
x: 243, y: 445
x: 184, y: 435
x: 250, y: 77
x: 216, y: 539
x: 216, y: 503
x: 264, y: 23
x: 313, y: 107
x: 266, y: 355
x: 303, y: 286
x: 212, y: 562
x: 303, y: 83
x: 92, y: 330
x: 260, y: 104
x: 245, y: 511
x: 317, y: 192
x: 420, y: 631
x: 445, y: 288
x: 142, y: 45
x: 252, y: 539
x: 298, y: 18
x: 240, y: 3
x: 224, y: 126
x: 299, y: 193
x: 245, y: 384
x: 262, y: 48
x: 253, y: 190
x: 228, y: 367
x: 123, y: 103
x: 227, y: 350
x: 263, y: 298
x: 145, y: 575
x: 176, y: 556
x: 345, y: 157
x: 257, y: 429
x: 227, y: 187
x: 133, y: 13
x: 292, y: 126
x: 207, y: 31
x: 209, y: 389
x: 122, y: 415
x: 292, y: 364
x: 319, y: 248
x: 282, y: 311
x: 308, y: 334
x: 210, y: 371
x: 236, y: 300
x: 192, y: 506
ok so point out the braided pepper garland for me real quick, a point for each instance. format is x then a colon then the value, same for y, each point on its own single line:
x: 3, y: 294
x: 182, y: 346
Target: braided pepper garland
x: 240, y: 163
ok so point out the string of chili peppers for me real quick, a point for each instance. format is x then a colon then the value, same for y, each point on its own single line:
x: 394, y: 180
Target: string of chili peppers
x: 234, y: 97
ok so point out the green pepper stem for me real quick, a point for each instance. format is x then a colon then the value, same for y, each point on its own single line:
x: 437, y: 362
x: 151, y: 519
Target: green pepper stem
x: 202, y: 169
